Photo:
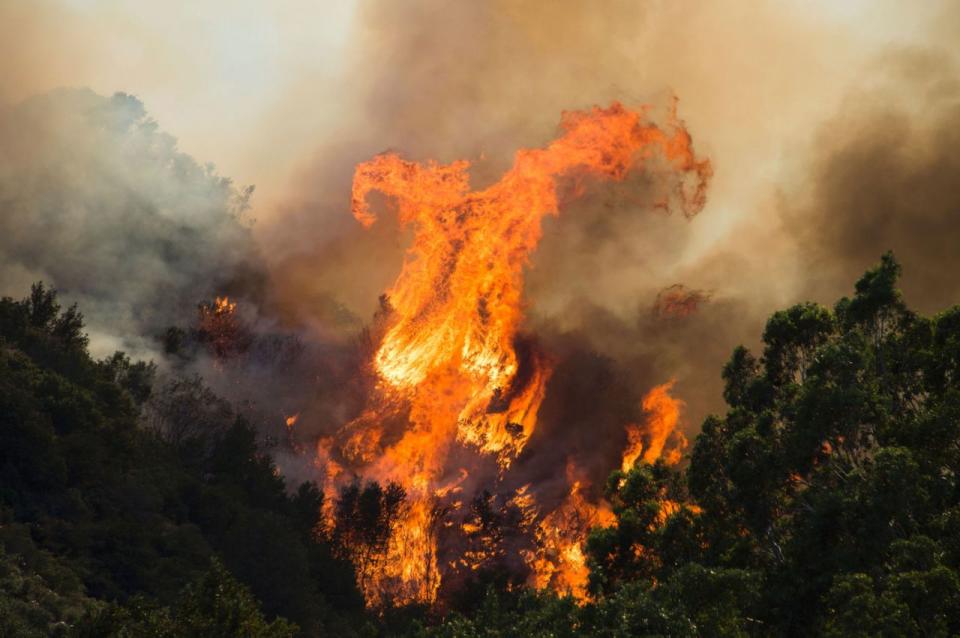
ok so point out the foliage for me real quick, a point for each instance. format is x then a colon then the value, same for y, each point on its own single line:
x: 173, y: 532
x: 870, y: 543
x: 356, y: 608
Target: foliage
x: 214, y: 606
x: 834, y: 473
x: 824, y: 502
x: 115, y: 490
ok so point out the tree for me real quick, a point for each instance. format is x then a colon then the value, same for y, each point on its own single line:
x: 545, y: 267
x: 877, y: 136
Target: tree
x: 214, y: 606
x: 365, y: 516
x: 841, y: 447
x: 95, y: 507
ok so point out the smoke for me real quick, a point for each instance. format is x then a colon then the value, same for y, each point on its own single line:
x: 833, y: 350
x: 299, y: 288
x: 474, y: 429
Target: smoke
x: 814, y: 177
x: 444, y: 81
x: 99, y: 203
x: 831, y: 130
x: 451, y: 80
x: 432, y: 80
x: 883, y: 174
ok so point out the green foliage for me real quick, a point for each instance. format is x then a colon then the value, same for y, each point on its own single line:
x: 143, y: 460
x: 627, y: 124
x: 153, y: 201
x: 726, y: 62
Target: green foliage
x: 116, y: 488
x: 825, y: 501
x: 834, y: 474
x: 39, y: 595
x: 216, y: 605
x: 503, y: 614
x: 617, y: 554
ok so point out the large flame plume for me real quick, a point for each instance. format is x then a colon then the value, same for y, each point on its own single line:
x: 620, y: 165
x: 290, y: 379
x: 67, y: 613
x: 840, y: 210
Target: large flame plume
x: 451, y: 364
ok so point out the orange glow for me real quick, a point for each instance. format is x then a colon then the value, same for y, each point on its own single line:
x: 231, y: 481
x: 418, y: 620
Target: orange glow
x: 224, y: 305
x: 678, y: 301
x: 647, y: 443
x: 220, y: 328
x: 451, y: 351
x: 292, y: 420
x: 559, y: 561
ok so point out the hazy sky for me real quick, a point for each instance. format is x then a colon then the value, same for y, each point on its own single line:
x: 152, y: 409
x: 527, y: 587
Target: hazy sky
x: 238, y: 81
x: 255, y: 86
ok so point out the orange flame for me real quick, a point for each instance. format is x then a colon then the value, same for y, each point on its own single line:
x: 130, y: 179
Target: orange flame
x: 450, y: 348
x: 559, y: 561
x: 223, y: 305
x: 220, y: 328
x: 663, y: 415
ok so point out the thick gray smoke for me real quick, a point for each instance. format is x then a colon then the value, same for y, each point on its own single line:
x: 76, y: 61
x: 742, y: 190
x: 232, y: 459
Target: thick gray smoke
x: 435, y: 80
x: 97, y: 201
x: 884, y: 175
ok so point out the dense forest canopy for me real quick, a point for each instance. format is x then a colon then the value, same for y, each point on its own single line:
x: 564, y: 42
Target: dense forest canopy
x: 824, y: 502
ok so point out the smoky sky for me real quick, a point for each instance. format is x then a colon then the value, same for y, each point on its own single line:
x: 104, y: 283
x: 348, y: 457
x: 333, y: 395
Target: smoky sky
x: 98, y: 202
x: 884, y: 174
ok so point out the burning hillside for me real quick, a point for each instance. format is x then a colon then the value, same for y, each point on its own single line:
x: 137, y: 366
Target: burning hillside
x: 456, y: 385
x: 323, y: 319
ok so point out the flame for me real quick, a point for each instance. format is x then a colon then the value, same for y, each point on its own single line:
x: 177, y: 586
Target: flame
x: 410, y: 572
x: 559, y: 561
x: 332, y: 472
x: 223, y: 305
x: 292, y: 420
x: 663, y: 415
x: 220, y: 328
x: 451, y: 350
x: 457, y: 301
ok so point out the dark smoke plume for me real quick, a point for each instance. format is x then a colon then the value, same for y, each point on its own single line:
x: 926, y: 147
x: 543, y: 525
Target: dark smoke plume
x: 884, y: 175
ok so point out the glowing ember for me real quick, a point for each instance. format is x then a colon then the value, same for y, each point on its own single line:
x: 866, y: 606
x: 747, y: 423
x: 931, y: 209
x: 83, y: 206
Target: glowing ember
x: 678, y: 301
x: 451, y: 351
x: 292, y: 420
x: 220, y: 328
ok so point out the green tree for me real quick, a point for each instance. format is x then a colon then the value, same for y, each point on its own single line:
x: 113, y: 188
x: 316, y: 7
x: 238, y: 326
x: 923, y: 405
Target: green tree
x: 841, y: 445
x: 125, y: 512
x: 214, y: 606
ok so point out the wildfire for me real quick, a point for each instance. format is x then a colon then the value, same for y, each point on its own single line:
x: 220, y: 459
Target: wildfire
x: 220, y: 328
x: 559, y: 562
x: 663, y: 414
x: 451, y: 351
x: 223, y: 305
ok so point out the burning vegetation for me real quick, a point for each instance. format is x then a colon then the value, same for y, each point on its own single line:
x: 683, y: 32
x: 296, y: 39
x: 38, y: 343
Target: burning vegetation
x: 457, y: 386
x: 646, y: 442
x: 219, y: 328
x: 678, y: 301
x: 824, y: 502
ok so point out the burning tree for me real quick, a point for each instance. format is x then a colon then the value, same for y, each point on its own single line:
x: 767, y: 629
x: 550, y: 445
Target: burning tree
x: 220, y: 329
x: 450, y: 358
x: 365, y: 517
